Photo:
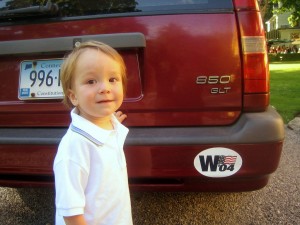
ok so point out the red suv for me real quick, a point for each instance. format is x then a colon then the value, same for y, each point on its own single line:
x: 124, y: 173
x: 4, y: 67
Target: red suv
x: 198, y: 90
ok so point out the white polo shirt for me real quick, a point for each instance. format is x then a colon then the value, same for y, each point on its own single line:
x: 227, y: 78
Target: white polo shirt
x: 91, y: 174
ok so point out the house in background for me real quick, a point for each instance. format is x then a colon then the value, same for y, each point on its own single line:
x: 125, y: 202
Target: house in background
x: 278, y: 28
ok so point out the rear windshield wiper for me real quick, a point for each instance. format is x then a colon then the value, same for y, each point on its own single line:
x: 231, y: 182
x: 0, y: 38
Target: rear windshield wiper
x: 49, y: 8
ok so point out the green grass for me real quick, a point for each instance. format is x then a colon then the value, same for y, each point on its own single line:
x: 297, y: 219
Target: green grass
x: 285, y: 89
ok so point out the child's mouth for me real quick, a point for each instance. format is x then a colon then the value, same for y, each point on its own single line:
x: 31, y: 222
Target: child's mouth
x: 104, y: 101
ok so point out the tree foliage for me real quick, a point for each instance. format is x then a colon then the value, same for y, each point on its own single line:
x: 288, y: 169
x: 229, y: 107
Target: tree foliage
x: 266, y: 8
x: 292, y: 6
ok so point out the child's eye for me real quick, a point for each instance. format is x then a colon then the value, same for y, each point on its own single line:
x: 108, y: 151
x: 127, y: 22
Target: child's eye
x: 91, y: 82
x: 112, y: 80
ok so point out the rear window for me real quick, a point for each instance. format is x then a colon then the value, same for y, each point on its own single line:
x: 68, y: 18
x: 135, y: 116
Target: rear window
x: 16, y: 9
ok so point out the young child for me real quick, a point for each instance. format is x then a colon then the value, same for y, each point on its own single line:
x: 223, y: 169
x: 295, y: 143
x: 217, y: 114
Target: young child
x: 90, y: 168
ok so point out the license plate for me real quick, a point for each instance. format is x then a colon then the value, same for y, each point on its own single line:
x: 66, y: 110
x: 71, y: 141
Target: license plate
x: 40, y: 79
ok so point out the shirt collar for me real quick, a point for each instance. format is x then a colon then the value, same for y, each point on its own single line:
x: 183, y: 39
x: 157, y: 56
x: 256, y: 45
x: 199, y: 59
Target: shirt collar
x: 94, y: 133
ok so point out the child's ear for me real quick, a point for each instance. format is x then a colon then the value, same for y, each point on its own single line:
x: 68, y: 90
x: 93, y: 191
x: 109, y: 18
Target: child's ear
x: 72, y: 97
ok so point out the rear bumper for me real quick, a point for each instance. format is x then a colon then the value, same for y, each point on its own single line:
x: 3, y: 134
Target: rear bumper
x: 158, y: 159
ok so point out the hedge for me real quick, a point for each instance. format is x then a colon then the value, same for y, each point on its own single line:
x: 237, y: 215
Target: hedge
x: 284, y: 57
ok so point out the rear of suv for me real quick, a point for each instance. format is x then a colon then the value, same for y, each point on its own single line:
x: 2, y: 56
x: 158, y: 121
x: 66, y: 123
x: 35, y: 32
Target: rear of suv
x: 197, y: 100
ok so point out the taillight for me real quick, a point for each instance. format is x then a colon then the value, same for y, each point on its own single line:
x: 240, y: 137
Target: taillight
x: 245, y: 4
x: 255, y: 59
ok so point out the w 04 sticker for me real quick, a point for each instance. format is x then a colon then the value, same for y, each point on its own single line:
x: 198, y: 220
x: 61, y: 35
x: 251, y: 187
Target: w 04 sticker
x: 218, y: 162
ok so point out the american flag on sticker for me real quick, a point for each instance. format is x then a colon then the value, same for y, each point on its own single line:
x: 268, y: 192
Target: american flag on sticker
x: 227, y: 159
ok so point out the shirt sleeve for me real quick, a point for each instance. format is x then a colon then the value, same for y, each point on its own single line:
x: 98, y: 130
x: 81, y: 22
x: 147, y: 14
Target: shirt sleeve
x: 70, y: 183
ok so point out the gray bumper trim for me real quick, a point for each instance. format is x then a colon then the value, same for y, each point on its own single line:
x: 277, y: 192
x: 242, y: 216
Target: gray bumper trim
x: 63, y: 44
x: 262, y: 127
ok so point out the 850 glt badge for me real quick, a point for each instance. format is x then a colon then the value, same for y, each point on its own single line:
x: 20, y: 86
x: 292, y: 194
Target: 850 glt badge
x: 218, y: 162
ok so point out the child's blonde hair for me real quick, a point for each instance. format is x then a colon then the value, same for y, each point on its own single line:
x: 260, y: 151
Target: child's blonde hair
x: 69, y: 65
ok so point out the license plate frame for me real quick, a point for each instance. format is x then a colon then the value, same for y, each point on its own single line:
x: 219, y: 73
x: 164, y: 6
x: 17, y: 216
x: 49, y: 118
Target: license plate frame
x: 40, y: 79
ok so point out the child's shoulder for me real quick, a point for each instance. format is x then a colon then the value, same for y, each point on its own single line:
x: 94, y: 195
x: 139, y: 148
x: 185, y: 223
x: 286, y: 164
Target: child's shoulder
x: 73, y: 146
x: 73, y: 139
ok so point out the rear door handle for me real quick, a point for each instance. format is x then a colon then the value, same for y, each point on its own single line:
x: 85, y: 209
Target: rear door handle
x: 63, y: 44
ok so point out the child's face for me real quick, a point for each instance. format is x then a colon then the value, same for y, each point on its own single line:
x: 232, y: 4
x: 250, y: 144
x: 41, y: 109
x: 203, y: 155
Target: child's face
x: 97, y: 89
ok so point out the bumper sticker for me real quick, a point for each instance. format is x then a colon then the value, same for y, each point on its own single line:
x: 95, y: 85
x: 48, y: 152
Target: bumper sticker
x: 218, y: 162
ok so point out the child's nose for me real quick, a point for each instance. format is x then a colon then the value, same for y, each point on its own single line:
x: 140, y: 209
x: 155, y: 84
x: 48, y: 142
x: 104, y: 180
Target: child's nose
x: 104, y: 87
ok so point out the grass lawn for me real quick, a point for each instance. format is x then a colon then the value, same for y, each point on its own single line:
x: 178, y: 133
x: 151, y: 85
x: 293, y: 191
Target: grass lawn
x: 285, y: 89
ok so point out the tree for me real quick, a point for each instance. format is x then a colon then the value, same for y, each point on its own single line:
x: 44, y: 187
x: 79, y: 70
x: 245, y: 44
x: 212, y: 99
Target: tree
x: 266, y: 9
x: 292, y: 6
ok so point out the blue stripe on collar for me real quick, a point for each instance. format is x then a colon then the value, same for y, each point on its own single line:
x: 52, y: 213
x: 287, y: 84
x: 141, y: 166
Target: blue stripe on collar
x: 86, y: 135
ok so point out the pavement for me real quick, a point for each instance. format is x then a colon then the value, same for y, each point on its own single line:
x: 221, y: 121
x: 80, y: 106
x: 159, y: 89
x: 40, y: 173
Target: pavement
x: 294, y: 124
